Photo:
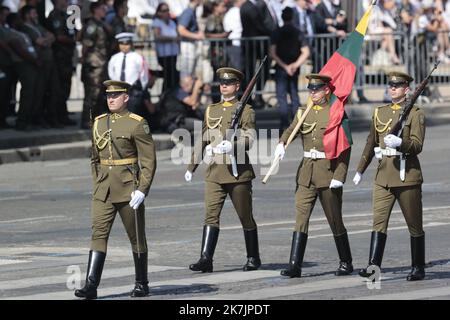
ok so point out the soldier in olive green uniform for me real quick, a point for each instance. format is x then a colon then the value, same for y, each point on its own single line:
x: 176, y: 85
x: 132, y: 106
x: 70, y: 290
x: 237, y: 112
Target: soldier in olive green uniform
x: 63, y: 51
x: 25, y: 61
x: 220, y: 180
x: 317, y: 176
x: 95, y: 38
x: 398, y: 176
x: 44, y: 112
x: 123, y: 166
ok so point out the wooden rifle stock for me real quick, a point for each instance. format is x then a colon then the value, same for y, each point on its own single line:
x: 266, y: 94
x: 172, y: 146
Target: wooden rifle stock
x: 246, y: 95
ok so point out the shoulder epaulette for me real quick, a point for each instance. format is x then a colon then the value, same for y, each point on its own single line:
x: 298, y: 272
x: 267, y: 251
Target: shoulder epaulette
x: 100, y: 116
x: 135, y: 117
x: 215, y: 104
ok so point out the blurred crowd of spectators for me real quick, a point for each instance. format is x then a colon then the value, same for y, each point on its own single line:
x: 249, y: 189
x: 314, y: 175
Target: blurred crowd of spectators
x: 38, y: 49
x: 426, y: 19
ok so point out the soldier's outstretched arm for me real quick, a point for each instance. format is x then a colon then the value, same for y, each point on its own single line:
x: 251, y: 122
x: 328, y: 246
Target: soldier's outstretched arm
x: 340, y: 173
x: 95, y: 159
x: 146, y: 155
x: 368, y: 152
x: 199, y: 146
x: 287, y: 133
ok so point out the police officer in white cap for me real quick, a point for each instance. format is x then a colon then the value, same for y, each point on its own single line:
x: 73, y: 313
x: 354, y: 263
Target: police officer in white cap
x: 129, y: 66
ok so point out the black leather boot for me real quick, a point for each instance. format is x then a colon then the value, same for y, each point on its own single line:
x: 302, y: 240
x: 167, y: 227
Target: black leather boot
x: 345, y: 256
x: 209, y: 241
x: 93, y: 275
x: 141, y: 288
x: 298, y: 247
x: 251, y: 243
x: 377, y: 243
x: 418, y: 259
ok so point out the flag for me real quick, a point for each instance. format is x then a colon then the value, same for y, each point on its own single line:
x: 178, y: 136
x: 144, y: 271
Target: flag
x: 341, y: 67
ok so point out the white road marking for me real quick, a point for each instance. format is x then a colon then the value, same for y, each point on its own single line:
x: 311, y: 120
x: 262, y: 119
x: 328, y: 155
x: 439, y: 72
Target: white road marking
x: 213, y: 279
x: 427, y: 225
x: 346, y: 216
x: 15, y: 198
x: 281, y: 291
x: 181, y: 205
x: 410, y: 295
x: 61, y: 279
x: 4, y: 262
x: 33, y: 219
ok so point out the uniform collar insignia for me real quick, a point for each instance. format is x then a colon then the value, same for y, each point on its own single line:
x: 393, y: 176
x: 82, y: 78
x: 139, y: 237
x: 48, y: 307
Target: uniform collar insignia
x: 115, y: 116
x: 396, y: 106
x: 317, y: 108
x: 227, y: 103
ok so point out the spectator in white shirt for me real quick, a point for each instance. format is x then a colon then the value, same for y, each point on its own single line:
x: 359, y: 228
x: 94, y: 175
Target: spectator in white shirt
x: 129, y: 66
x: 177, y: 7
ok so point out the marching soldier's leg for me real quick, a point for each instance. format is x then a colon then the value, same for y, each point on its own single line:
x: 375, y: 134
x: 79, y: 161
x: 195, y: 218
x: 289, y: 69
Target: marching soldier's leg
x: 241, y: 196
x: 305, y: 198
x: 103, y: 214
x: 410, y: 200
x: 331, y: 200
x: 140, y: 255
x: 383, y: 201
x: 215, y: 196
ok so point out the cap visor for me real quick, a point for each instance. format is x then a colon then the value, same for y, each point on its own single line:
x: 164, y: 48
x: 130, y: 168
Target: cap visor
x: 316, y: 86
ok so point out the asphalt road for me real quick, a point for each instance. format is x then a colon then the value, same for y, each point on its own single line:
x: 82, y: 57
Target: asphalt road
x: 45, y: 233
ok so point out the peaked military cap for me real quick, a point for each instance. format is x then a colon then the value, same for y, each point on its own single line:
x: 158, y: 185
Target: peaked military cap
x: 317, y: 81
x: 124, y: 37
x: 116, y: 86
x: 229, y: 75
x: 397, y: 77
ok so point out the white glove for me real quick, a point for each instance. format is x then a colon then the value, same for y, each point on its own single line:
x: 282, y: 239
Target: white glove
x: 188, y: 176
x: 224, y: 147
x: 209, y: 153
x: 209, y: 150
x: 137, y: 198
x: 378, y: 153
x: 334, y: 184
x: 392, y: 141
x: 279, y: 151
x: 357, y: 178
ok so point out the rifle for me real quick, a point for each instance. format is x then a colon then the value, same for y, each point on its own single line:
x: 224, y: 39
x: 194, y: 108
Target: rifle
x: 398, y: 127
x: 240, y: 109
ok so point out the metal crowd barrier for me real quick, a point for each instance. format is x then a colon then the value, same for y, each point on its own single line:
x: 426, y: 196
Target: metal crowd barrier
x: 416, y: 53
